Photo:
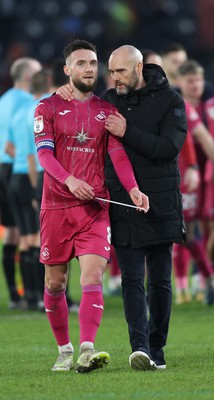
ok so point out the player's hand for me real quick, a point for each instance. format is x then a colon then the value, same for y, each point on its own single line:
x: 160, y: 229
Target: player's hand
x: 79, y: 188
x: 191, y: 179
x: 139, y: 199
x: 66, y: 92
x: 116, y: 124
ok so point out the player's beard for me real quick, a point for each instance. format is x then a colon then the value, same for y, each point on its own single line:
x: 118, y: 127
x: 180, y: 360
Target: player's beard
x: 133, y: 83
x: 83, y: 87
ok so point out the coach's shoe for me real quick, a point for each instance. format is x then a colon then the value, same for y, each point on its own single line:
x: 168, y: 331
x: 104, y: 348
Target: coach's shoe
x: 91, y: 359
x: 64, y: 362
x: 141, y: 361
x: 158, y: 357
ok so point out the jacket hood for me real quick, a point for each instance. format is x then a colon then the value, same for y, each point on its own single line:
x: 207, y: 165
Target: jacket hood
x: 155, y: 77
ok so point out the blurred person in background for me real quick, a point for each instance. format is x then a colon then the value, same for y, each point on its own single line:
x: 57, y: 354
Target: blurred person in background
x: 24, y: 212
x: 151, y: 57
x: 191, y: 83
x: 21, y: 73
x: 173, y: 55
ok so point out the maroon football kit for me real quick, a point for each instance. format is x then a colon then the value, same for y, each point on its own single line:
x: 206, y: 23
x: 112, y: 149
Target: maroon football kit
x: 72, y: 140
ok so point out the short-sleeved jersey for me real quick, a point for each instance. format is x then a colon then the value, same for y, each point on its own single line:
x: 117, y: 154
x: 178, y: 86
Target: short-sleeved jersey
x: 75, y: 131
x: 10, y: 102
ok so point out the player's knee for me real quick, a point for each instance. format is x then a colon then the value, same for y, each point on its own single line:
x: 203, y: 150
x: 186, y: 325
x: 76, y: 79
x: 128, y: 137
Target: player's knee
x: 55, y: 284
x: 93, y: 277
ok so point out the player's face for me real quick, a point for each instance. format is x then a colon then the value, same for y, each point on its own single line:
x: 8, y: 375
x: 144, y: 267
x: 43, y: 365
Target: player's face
x: 192, y: 85
x: 172, y: 61
x: 82, y: 67
x: 124, y: 74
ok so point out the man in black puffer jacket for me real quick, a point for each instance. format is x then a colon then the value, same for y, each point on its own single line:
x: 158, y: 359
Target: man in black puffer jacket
x: 152, y: 126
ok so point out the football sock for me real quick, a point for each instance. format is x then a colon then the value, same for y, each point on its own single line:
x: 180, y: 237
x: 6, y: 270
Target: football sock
x: 90, y: 312
x: 39, y: 270
x: 199, y: 255
x: 66, y: 348
x: 57, y: 312
x: 181, y: 264
x: 8, y: 262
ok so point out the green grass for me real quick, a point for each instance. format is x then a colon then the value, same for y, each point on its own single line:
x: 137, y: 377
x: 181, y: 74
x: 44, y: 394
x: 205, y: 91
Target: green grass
x: 28, y: 351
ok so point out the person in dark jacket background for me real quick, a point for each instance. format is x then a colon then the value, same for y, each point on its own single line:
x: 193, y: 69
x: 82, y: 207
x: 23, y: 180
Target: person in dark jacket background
x: 152, y: 126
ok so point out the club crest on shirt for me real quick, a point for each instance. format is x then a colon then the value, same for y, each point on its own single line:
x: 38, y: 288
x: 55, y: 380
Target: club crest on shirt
x: 101, y: 116
x: 38, y: 124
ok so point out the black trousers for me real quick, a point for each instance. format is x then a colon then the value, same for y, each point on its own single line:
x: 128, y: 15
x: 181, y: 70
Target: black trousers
x: 145, y: 332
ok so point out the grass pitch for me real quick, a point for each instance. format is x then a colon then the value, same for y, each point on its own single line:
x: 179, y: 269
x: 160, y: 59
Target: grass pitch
x: 28, y: 351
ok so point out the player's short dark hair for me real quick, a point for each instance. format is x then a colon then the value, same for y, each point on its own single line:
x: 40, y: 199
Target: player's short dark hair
x: 171, y: 47
x: 190, y: 67
x: 78, y: 44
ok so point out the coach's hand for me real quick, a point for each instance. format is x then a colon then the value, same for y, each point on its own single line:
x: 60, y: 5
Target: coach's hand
x: 80, y: 189
x: 139, y: 199
x: 66, y: 92
x: 116, y: 124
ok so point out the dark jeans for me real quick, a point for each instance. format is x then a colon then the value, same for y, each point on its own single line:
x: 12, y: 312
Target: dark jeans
x: 144, y: 334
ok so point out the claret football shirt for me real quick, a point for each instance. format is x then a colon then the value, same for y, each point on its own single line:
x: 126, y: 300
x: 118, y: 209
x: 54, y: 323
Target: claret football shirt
x: 74, y: 131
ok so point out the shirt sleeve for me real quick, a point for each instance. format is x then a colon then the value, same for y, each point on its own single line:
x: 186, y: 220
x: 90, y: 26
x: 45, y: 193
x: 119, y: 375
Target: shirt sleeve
x: 188, y: 153
x: 122, y: 164
x: 193, y: 118
x: 45, y: 143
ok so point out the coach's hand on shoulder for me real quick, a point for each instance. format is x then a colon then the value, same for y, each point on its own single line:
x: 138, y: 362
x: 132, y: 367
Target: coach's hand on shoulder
x: 66, y: 92
x: 139, y: 199
x: 79, y: 188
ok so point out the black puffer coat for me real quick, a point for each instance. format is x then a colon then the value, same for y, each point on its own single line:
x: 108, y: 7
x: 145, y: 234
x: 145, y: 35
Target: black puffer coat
x: 155, y: 133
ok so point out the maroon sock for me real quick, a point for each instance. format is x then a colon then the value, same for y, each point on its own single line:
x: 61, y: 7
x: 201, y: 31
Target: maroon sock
x: 57, y: 312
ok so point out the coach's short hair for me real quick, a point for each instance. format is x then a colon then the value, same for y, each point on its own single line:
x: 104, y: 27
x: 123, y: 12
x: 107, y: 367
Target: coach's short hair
x: 190, y: 67
x: 78, y: 44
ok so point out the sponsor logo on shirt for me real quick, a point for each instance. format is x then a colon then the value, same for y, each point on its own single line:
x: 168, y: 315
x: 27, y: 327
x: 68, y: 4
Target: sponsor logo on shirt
x: 40, y: 134
x: 64, y: 112
x: 82, y: 136
x: 82, y: 149
x: 38, y: 124
x: 101, y: 116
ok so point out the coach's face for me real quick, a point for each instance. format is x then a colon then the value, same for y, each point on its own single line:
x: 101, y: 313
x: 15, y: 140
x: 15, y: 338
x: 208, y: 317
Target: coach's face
x: 82, y: 68
x: 125, y: 72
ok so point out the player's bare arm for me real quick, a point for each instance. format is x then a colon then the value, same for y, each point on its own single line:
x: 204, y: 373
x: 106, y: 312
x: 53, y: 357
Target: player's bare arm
x: 116, y: 124
x: 139, y: 199
x: 66, y: 92
x: 79, y: 188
